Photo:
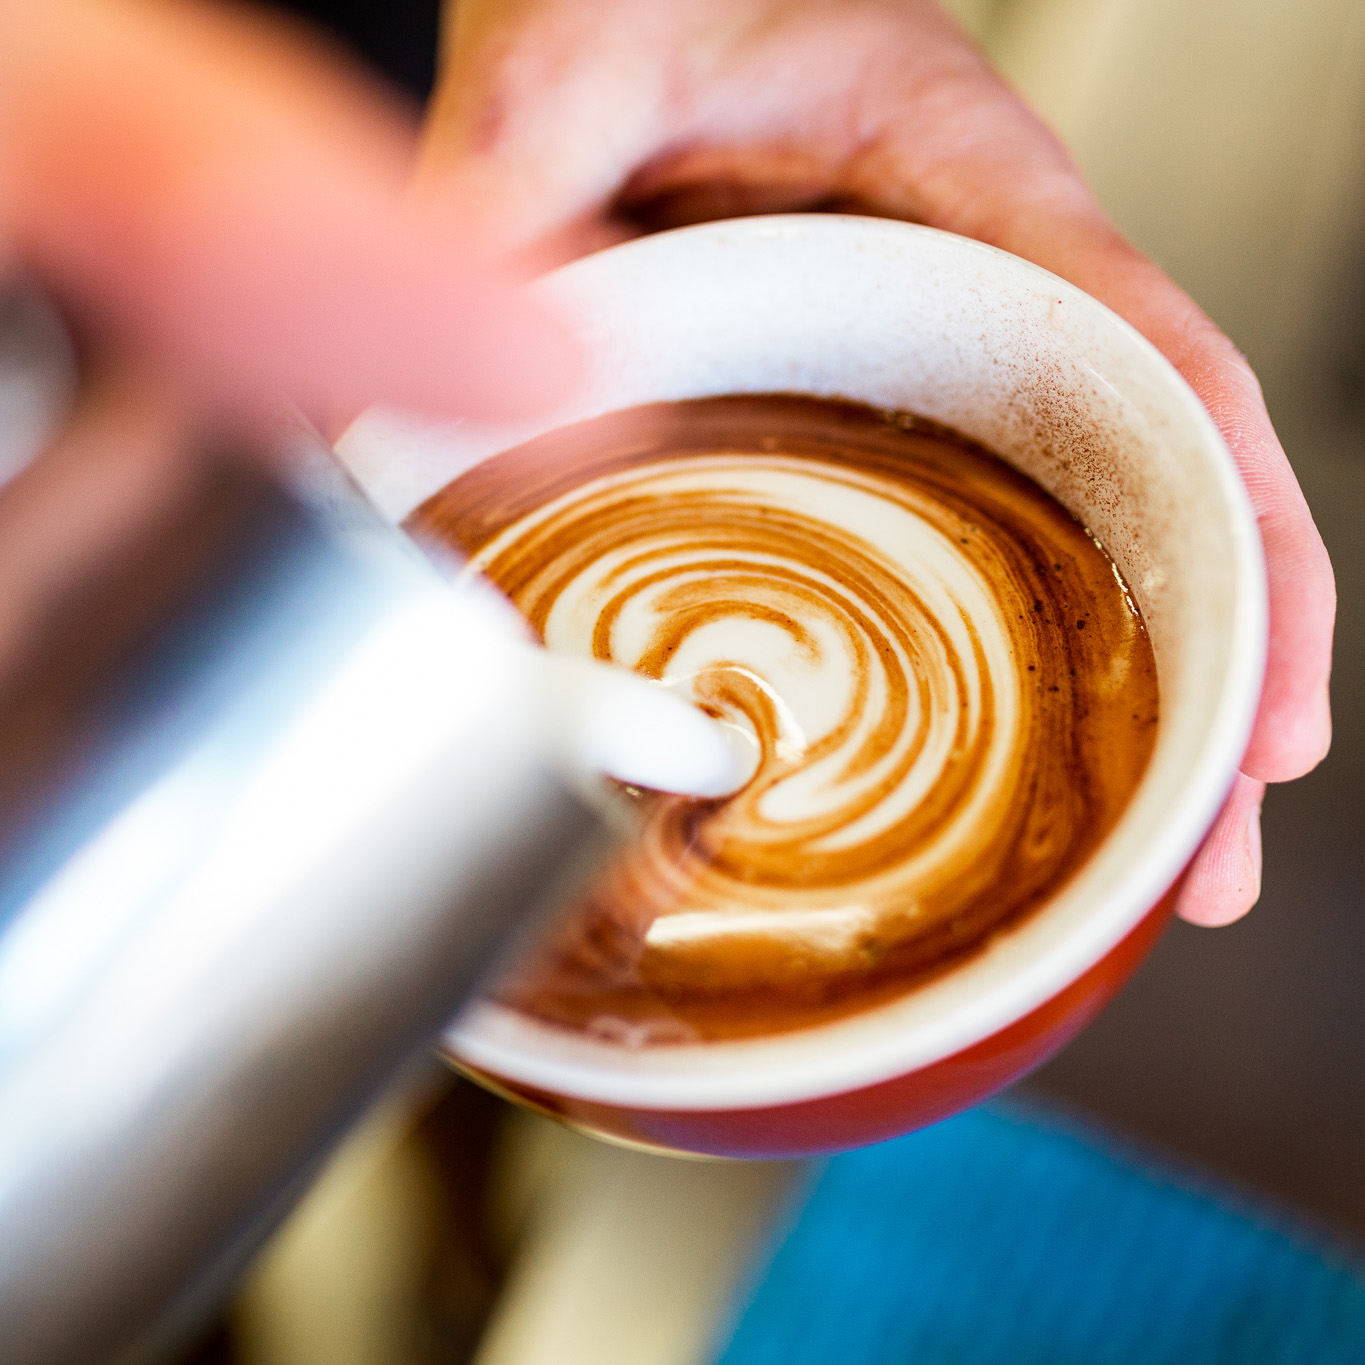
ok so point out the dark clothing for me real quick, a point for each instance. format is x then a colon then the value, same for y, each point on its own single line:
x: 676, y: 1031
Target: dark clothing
x: 396, y: 37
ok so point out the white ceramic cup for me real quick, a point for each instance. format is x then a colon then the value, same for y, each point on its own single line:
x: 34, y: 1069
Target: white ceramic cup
x: 908, y: 318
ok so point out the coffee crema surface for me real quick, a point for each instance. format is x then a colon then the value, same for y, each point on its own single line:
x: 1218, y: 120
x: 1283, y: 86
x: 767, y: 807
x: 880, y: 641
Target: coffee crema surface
x: 949, y: 690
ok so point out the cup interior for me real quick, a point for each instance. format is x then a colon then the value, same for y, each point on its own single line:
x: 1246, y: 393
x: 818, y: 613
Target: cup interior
x: 908, y: 318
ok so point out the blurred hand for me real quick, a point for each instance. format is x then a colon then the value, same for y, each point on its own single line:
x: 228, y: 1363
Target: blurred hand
x: 573, y: 123
x: 221, y: 212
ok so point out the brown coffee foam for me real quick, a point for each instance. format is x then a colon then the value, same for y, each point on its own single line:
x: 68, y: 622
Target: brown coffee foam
x: 869, y: 917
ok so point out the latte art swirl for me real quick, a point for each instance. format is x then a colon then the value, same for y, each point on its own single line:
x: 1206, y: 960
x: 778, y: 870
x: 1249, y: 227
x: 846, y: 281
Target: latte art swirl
x: 875, y: 672
x: 947, y: 691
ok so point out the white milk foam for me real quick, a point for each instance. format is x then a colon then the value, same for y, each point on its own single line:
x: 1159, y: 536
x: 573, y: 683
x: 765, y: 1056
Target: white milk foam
x: 808, y: 655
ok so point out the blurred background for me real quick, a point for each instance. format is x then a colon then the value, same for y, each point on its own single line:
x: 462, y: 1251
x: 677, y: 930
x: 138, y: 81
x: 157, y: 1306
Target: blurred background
x: 1227, y: 138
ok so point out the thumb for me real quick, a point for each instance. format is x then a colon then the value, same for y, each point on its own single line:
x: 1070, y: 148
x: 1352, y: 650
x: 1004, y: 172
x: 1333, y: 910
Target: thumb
x: 211, y: 190
x: 539, y: 117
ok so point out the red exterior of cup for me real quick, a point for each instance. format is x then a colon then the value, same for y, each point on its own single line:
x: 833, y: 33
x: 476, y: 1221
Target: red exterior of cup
x: 873, y: 1113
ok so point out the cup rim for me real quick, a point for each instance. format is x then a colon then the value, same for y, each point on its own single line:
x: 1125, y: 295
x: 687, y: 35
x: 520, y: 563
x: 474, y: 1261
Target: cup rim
x: 879, y: 1044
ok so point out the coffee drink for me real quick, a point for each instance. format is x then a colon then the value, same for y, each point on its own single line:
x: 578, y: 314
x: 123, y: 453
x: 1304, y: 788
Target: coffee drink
x: 948, y: 691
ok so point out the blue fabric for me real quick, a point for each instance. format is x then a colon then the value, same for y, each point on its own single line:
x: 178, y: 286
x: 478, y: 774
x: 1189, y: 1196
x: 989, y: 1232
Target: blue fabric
x: 1004, y: 1237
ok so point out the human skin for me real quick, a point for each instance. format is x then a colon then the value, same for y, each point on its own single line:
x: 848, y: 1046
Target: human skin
x: 559, y: 126
x: 221, y: 211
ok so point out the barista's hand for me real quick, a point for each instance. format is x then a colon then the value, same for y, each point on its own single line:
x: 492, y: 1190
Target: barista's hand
x: 223, y: 214
x: 221, y: 197
x: 572, y: 123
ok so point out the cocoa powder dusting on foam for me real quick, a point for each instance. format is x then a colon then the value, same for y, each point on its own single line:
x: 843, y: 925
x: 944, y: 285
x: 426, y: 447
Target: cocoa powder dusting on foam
x: 951, y: 693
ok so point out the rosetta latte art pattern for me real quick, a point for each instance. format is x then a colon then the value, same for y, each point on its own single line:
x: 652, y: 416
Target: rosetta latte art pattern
x: 947, y: 691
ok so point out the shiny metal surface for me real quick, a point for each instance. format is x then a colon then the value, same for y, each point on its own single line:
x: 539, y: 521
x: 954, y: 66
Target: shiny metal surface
x: 257, y: 840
